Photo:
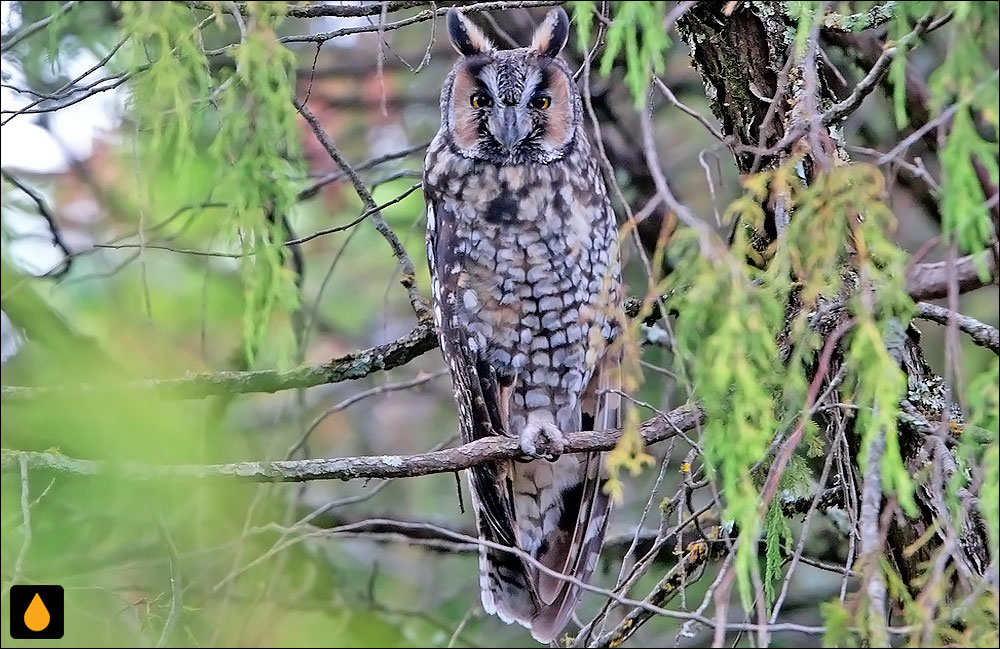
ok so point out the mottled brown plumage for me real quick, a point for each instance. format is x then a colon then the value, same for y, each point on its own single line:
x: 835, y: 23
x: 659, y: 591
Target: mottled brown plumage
x: 522, y: 247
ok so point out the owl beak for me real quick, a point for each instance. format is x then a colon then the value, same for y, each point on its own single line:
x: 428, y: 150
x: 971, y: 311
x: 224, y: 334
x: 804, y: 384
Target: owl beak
x: 510, y: 129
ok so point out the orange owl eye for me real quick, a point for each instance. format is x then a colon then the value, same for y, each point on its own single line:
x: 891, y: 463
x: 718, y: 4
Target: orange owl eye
x: 480, y: 100
x: 541, y: 102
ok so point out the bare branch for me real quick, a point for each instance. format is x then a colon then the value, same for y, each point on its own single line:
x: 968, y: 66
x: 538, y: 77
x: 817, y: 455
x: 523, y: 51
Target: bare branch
x: 425, y: 15
x: 355, y: 365
x: 350, y: 468
x: 322, y: 9
x: 665, y: 89
x: 981, y: 333
x: 870, y: 537
x: 930, y: 281
x: 314, y: 189
x: 69, y: 88
x: 864, y: 88
x: 865, y: 50
x: 350, y: 224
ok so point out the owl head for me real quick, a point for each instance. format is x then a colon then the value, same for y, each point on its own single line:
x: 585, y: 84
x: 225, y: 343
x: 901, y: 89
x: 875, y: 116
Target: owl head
x: 510, y: 107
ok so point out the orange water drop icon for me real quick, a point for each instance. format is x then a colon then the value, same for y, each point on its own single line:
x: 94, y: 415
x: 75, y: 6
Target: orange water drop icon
x: 36, y: 617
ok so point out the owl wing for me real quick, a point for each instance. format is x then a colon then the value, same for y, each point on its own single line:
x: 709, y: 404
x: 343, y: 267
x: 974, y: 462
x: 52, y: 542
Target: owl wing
x: 479, y: 398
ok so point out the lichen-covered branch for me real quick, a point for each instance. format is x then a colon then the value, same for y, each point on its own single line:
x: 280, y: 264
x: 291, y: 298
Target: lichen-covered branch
x: 352, y: 366
x: 355, y: 365
x: 320, y: 9
x: 350, y: 468
x: 877, y: 16
x: 981, y: 333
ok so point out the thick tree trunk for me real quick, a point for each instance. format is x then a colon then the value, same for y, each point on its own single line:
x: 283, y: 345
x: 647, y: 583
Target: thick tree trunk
x: 758, y: 92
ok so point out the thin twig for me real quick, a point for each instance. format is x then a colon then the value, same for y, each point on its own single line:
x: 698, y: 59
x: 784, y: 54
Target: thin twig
x: 54, y: 232
x: 354, y: 398
x: 803, y: 536
x: 69, y: 88
x: 408, y: 277
x: 663, y: 188
x: 35, y: 27
x: 864, y: 88
x: 176, y: 588
x: 347, y: 226
x: 665, y: 89
x: 785, y: 454
x: 697, y: 554
x: 313, y: 190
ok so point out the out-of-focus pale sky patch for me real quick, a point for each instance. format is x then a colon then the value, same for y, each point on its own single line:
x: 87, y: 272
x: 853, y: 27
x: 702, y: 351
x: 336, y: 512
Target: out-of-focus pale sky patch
x: 27, y: 147
x: 8, y: 19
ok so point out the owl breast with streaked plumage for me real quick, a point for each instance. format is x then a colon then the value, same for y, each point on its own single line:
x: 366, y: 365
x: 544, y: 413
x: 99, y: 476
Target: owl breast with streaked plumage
x: 534, y: 250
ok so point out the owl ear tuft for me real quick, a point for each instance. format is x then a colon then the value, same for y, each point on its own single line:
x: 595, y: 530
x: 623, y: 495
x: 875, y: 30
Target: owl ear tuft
x: 550, y: 37
x: 465, y: 37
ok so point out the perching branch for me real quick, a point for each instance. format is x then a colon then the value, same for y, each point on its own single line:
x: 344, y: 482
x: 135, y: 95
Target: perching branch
x: 350, y: 468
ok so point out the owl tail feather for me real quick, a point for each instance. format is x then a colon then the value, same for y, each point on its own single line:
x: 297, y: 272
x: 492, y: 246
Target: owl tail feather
x: 551, y: 618
x: 516, y: 590
x: 512, y: 586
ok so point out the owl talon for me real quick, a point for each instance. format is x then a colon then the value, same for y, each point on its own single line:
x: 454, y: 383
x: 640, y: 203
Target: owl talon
x: 542, y: 441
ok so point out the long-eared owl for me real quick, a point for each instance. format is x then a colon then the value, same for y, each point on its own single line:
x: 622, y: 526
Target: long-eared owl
x: 523, y: 253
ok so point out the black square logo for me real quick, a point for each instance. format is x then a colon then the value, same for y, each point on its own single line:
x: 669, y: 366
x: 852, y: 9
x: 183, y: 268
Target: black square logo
x: 36, y: 612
